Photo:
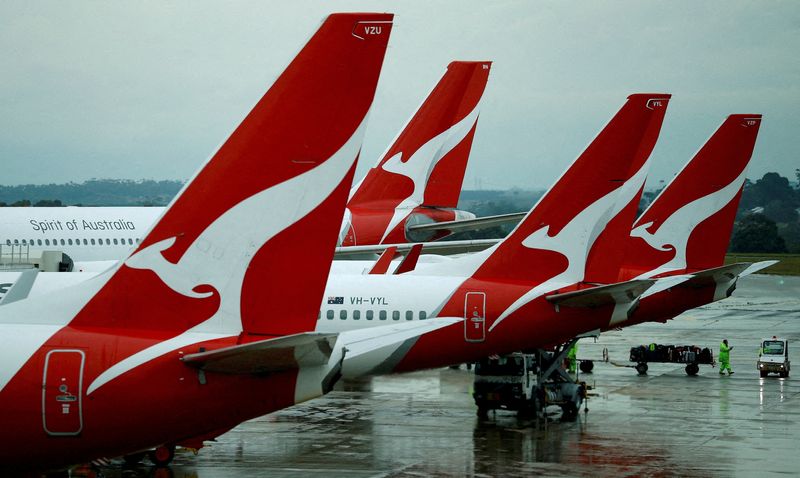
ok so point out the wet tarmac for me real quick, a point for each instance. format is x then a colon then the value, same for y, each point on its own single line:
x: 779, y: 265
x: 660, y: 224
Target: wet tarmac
x: 662, y: 424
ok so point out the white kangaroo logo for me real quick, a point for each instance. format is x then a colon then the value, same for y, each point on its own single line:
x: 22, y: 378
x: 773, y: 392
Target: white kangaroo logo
x: 421, y: 164
x: 675, y: 231
x: 575, y: 240
x: 220, y: 255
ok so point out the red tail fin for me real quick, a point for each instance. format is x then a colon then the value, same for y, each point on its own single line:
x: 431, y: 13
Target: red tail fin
x: 426, y: 162
x: 687, y: 228
x: 252, y: 235
x: 606, y: 256
x: 555, y: 237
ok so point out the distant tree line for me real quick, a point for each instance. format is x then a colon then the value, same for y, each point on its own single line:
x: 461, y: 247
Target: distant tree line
x: 767, y: 219
x: 95, y: 192
x: 40, y: 203
x: 766, y: 222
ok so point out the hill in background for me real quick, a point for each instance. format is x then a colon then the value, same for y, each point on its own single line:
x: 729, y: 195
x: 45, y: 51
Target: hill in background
x: 95, y: 192
x: 768, y: 219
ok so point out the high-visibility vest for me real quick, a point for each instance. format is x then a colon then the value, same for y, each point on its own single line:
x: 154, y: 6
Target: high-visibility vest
x: 724, y: 352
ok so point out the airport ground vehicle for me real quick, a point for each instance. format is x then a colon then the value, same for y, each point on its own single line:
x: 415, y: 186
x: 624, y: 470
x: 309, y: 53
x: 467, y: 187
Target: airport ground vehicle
x: 527, y: 383
x: 773, y: 357
x: 691, y: 355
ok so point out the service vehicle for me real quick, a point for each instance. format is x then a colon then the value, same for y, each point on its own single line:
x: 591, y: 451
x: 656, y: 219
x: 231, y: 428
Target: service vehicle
x: 527, y: 383
x: 773, y: 357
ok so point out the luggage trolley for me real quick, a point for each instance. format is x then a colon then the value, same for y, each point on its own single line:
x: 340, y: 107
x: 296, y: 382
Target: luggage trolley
x: 691, y: 355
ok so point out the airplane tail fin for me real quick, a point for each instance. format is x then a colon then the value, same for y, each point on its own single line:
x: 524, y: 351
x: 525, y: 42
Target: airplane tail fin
x: 688, y: 227
x: 425, y: 164
x: 247, y: 244
x: 555, y: 237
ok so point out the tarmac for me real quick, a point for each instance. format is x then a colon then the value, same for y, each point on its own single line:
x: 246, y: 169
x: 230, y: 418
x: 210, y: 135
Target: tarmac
x: 663, y: 424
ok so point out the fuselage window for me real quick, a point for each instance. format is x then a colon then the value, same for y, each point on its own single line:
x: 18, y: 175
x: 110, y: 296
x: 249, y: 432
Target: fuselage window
x: 409, y: 315
x: 32, y: 242
x: 86, y: 243
x: 24, y: 243
x: 382, y: 315
x: 329, y: 315
x: 47, y: 242
x: 92, y: 241
x: 115, y: 241
x: 370, y: 314
x: 423, y: 315
x: 39, y: 242
x: 16, y: 241
x: 62, y: 242
x: 343, y: 314
x: 356, y: 314
x: 395, y: 315
x: 130, y: 241
x: 137, y: 240
x: 108, y: 241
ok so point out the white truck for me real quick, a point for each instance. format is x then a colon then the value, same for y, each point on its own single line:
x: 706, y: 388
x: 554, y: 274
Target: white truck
x: 773, y: 357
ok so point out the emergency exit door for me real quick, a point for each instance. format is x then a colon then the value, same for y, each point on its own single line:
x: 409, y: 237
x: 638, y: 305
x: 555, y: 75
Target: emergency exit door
x: 475, y: 317
x: 62, y: 400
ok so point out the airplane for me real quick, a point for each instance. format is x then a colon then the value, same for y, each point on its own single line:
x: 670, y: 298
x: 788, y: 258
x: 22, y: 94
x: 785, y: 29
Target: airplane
x: 416, y: 182
x: 680, y: 240
x: 685, y: 231
x: 703, y: 197
x: 502, y: 293
x: 209, y: 321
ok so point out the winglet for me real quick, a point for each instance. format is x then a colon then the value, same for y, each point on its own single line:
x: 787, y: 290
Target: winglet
x: 383, y: 262
x: 410, y: 261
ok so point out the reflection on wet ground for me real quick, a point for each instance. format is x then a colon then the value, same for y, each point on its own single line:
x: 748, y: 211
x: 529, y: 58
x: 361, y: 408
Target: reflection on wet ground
x: 662, y: 424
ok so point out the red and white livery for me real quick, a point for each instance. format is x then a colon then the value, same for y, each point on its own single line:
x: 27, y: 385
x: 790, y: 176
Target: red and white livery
x: 175, y: 342
x: 418, y: 179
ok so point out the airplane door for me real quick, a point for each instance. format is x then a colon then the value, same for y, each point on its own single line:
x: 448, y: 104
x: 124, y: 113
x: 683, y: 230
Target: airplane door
x: 62, y: 412
x: 475, y: 317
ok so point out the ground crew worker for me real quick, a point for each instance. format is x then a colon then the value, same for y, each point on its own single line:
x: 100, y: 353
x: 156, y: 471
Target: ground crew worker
x: 572, y: 357
x: 725, y: 357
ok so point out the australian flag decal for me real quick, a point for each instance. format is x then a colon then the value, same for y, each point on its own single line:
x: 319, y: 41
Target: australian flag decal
x: 336, y: 300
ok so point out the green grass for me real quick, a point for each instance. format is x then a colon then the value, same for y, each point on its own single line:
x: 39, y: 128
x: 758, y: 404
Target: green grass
x: 789, y: 264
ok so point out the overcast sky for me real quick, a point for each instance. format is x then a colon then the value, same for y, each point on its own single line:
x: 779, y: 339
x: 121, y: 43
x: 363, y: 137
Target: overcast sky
x: 150, y: 89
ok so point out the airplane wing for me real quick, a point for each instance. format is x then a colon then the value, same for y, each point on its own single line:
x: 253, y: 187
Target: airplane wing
x: 620, y: 293
x: 364, y: 349
x: 21, y: 287
x: 443, y: 248
x: 757, y: 266
x: 717, y: 275
x: 665, y: 283
x: 469, y: 224
x: 305, y: 349
x: 373, y: 351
